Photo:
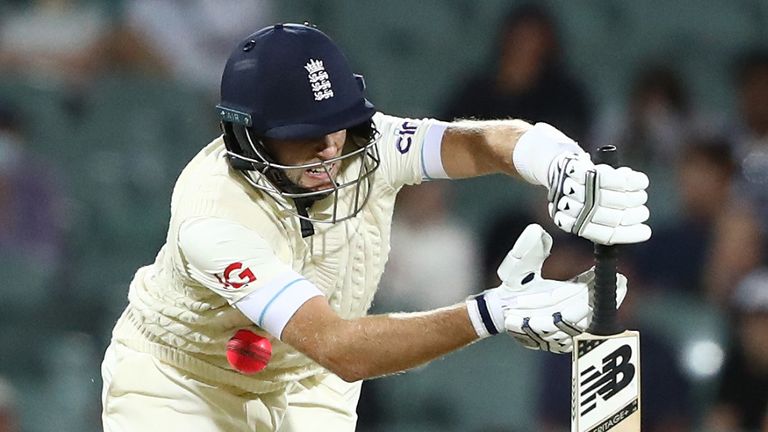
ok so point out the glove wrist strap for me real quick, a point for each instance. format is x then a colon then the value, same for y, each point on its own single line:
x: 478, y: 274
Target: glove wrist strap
x: 480, y: 315
x: 537, y: 148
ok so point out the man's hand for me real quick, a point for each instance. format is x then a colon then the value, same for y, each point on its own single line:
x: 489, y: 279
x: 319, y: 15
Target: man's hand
x: 540, y: 313
x: 603, y: 204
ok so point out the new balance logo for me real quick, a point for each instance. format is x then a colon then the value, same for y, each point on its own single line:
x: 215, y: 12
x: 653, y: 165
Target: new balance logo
x: 617, y: 372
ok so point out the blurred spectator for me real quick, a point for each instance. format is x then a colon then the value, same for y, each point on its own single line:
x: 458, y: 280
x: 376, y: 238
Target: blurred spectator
x: 194, y: 37
x: 741, y: 234
x: 751, y: 132
x: 675, y: 258
x: 666, y: 399
x: 429, y: 249
x: 527, y: 78
x: 655, y: 124
x: 31, y: 211
x: 737, y: 248
x: 742, y: 401
x: 67, y: 46
x: 32, y: 228
x: 9, y: 415
x: 53, y: 40
x: 751, y: 80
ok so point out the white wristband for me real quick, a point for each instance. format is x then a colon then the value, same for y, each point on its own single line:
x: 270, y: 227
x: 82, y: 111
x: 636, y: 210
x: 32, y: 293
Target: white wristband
x: 481, y: 315
x: 273, y: 305
x: 431, y: 157
x: 475, y: 319
x: 537, y: 148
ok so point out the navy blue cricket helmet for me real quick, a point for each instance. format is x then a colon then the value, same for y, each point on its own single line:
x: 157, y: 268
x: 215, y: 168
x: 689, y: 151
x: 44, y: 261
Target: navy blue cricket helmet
x: 291, y: 81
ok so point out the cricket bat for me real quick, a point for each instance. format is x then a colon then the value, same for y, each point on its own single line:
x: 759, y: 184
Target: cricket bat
x: 605, y: 385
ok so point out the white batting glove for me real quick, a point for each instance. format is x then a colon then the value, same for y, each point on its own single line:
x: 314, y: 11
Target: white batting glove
x: 540, y: 313
x: 603, y: 204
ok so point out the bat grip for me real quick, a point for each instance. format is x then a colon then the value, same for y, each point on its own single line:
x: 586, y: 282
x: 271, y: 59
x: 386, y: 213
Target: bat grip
x: 603, y: 296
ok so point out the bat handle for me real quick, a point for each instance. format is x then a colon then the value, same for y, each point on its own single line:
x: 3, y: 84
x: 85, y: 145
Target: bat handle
x: 603, y: 296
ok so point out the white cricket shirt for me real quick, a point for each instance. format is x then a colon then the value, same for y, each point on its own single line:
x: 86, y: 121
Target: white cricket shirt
x: 229, y: 246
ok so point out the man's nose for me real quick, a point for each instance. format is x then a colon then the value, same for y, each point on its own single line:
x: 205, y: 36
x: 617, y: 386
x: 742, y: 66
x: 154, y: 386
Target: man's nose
x: 329, y: 146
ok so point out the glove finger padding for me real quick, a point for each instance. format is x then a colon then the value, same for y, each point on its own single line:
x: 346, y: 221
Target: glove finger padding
x: 573, y: 190
x: 546, y: 340
x: 635, y: 215
x: 627, y: 217
x: 610, y: 217
x: 600, y: 203
x: 548, y: 318
x: 525, y: 340
x: 533, y: 337
x: 551, y: 316
x: 622, y: 200
x: 570, y: 206
x: 621, y: 179
x: 620, y: 235
x: 566, y: 172
x: 575, y: 167
x: 560, y: 342
x: 564, y: 221
x: 526, y: 257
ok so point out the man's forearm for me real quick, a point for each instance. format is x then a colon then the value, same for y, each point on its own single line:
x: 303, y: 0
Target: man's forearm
x: 473, y: 148
x: 381, y: 344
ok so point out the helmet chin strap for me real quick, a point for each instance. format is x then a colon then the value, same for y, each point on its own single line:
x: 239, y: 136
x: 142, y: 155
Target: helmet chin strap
x: 302, y: 207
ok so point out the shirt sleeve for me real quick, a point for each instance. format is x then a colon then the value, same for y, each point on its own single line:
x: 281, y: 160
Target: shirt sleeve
x: 410, y: 149
x: 239, y: 265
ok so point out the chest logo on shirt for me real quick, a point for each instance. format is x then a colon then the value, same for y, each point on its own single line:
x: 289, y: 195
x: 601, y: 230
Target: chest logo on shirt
x: 405, y: 136
x: 234, y: 277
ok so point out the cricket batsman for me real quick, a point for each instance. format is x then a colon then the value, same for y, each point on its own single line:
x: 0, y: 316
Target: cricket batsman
x: 280, y: 229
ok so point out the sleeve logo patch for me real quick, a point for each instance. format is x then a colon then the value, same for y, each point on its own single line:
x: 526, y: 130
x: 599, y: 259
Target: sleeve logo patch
x: 234, y: 277
x: 405, y: 136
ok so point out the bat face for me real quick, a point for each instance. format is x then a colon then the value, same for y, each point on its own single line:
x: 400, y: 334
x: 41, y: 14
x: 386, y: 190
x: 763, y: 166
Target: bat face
x: 606, y: 383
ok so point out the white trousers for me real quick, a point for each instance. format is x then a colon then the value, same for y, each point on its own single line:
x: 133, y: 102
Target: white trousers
x: 140, y: 394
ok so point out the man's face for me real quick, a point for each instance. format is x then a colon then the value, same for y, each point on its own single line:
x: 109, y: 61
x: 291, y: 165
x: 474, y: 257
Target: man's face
x: 308, y: 151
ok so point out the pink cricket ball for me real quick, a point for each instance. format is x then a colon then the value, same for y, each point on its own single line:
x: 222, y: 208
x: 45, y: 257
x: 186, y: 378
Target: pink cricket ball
x: 248, y: 352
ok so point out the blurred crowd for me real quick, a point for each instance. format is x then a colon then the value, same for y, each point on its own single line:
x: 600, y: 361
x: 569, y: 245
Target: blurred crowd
x: 102, y: 103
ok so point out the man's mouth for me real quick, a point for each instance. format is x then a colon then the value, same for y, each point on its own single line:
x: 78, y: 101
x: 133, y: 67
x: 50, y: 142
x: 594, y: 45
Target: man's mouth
x: 320, y: 176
